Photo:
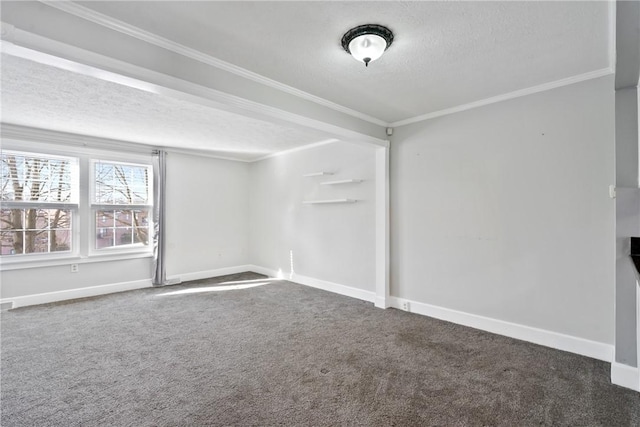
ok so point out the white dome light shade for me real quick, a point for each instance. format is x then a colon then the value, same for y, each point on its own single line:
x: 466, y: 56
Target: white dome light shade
x: 368, y: 42
x: 367, y: 47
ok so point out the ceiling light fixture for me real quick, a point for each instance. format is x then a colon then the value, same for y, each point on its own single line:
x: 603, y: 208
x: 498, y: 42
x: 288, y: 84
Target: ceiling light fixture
x: 368, y: 42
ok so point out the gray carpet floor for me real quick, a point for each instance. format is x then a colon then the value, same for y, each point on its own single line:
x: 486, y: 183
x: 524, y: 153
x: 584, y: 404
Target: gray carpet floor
x: 283, y: 354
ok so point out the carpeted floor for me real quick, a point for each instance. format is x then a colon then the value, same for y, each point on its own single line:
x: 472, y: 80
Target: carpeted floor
x: 201, y: 354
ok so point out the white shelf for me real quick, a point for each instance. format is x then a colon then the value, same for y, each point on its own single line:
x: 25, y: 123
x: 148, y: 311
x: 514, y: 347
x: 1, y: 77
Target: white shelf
x: 343, y: 181
x: 317, y: 174
x: 322, y: 202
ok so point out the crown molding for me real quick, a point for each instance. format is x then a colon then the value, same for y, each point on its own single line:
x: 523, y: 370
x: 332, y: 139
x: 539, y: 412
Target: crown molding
x: 507, y: 96
x: 535, y: 89
x: 385, y: 145
x: 48, y: 136
x: 27, y: 133
x: 127, y: 29
x: 293, y: 150
x: 151, y: 38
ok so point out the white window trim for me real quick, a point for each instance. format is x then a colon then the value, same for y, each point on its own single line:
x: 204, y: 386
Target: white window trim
x: 72, y: 206
x: 66, y: 259
x: 94, y: 207
x: 83, y: 239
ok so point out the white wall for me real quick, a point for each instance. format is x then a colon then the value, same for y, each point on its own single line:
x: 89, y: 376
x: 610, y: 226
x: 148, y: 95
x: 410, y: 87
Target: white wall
x: 500, y: 211
x: 42, y: 280
x: 503, y: 211
x: 21, y: 279
x: 334, y: 242
x: 207, y: 232
x: 207, y: 215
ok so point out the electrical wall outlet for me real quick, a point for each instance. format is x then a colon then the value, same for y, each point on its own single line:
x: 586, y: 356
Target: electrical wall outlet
x: 405, y: 305
x: 74, y: 268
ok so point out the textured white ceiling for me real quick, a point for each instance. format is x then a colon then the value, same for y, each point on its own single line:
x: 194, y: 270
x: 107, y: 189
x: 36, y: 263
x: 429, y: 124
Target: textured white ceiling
x: 46, y: 97
x: 445, y: 54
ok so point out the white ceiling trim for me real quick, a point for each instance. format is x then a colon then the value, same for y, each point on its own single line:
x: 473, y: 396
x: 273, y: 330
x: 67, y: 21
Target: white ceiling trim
x: 507, y: 96
x: 47, y: 136
x: 146, y: 36
x: 104, y: 20
x: 293, y: 150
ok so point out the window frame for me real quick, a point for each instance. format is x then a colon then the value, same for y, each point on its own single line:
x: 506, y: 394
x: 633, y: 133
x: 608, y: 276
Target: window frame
x: 95, y: 207
x: 73, y: 206
x: 82, y: 234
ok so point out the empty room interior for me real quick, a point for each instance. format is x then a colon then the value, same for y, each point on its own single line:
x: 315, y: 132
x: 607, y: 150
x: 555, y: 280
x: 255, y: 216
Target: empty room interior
x: 320, y: 213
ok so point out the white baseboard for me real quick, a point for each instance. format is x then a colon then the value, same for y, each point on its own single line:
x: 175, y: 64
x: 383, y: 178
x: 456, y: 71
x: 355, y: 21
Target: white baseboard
x: 543, y: 337
x: 186, y: 277
x: 92, y: 291
x: 317, y: 283
x: 335, y: 288
x: 44, y: 298
x: 625, y: 376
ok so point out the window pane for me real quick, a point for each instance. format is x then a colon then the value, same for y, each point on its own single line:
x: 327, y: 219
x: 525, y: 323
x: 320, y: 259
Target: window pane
x: 11, y: 219
x: 121, y: 184
x: 10, y: 243
x: 122, y: 218
x: 36, y: 241
x: 141, y: 235
x: 59, y: 219
x: 125, y: 236
x: 104, y: 238
x: 115, y: 228
x: 60, y: 240
x: 34, y: 177
x: 26, y: 231
x: 104, y: 219
x: 103, y: 182
x: 141, y: 218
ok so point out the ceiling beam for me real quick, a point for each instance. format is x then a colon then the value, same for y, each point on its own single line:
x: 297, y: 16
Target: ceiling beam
x: 43, y: 33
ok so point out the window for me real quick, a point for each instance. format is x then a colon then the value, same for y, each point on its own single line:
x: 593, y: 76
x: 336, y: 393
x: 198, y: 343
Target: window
x: 39, y: 195
x: 86, y: 203
x: 121, y: 204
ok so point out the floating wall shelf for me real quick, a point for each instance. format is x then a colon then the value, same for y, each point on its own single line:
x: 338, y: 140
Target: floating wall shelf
x: 343, y: 181
x: 323, y: 202
x: 317, y: 174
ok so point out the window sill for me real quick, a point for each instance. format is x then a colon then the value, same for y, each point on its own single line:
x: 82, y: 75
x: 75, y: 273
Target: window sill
x: 8, y: 265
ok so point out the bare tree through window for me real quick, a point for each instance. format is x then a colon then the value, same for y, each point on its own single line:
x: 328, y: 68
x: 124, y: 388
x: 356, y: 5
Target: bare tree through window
x: 37, y: 203
x: 122, y: 204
